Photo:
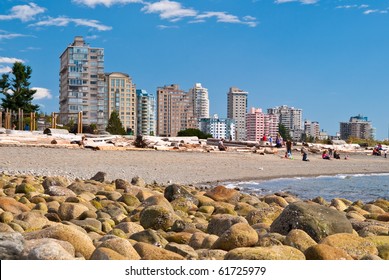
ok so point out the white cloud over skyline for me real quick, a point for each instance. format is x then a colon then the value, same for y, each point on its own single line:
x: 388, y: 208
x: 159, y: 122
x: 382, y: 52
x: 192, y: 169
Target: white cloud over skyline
x: 169, y: 10
x: 65, y: 21
x: 12, y: 36
x: 23, y: 12
x: 107, y: 3
x: 301, y: 1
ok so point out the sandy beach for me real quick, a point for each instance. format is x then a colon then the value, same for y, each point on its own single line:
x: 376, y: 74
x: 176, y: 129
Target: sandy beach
x: 108, y: 218
x: 179, y: 167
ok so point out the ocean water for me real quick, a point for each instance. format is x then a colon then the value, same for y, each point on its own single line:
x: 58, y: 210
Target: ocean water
x: 365, y: 187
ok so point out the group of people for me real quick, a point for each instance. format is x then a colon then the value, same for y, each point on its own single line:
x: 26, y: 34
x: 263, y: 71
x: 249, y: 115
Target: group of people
x: 327, y: 154
x: 377, y: 151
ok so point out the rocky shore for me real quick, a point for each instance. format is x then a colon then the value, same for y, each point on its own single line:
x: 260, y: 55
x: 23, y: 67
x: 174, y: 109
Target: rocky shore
x: 59, y: 218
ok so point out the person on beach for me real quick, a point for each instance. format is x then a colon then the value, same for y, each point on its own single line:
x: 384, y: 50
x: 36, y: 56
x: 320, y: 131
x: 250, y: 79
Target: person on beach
x: 325, y: 155
x: 385, y: 152
x: 289, y: 146
x: 336, y: 155
x: 304, y: 154
x: 221, y: 145
x: 278, y: 141
x: 330, y: 152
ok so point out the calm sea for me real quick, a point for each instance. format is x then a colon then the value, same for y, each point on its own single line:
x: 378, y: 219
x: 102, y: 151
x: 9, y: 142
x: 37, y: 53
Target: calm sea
x: 365, y: 187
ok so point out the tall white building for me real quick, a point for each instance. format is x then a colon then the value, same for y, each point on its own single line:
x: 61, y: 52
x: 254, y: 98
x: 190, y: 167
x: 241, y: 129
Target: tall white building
x: 237, y: 109
x: 146, y: 112
x: 200, y: 99
x: 121, y: 97
x: 82, y: 84
x: 312, y: 129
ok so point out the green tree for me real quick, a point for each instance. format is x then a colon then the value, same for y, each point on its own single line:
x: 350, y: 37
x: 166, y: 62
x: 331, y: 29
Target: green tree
x: 115, y: 125
x: 284, y: 132
x: 194, y: 132
x: 16, y: 89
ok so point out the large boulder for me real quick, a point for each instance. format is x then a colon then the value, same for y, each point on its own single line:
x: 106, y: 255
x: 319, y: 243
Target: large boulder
x: 120, y: 246
x: 49, y: 250
x: 149, y: 236
x: 299, y: 239
x: 13, y: 206
x: 326, y: 252
x: 220, y: 223
x: 55, y: 181
x: 152, y: 252
x: 175, y: 191
x: 69, y: 211
x: 238, y: 235
x: 157, y: 217
x: 221, y: 193
x: 265, y: 253
x: 81, y: 242
x: 11, y: 245
x: 357, y: 247
x: 316, y: 220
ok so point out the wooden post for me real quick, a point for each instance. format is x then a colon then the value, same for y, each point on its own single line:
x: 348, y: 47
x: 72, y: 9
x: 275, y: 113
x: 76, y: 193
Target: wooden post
x: 79, y: 128
x: 53, y: 120
x: 32, y: 121
x: 6, y: 122
x: 20, y: 119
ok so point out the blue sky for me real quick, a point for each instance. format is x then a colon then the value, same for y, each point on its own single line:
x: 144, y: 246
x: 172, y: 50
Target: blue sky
x: 329, y: 58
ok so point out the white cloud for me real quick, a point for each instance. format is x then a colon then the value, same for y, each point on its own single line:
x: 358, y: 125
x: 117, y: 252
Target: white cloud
x: 65, y: 21
x: 228, y: 18
x: 24, y: 12
x: 169, y: 10
x: 173, y: 11
x: 107, y: 3
x: 10, y: 60
x: 12, y: 36
x: 367, y: 12
x: 92, y: 37
x: 5, y: 69
x: 363, y: 6
x: 42, y: 93
x: 167, y: 26
x: 301, y: 1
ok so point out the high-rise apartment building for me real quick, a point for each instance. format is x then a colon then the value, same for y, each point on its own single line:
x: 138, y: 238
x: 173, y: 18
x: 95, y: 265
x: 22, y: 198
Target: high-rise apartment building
x: 237, y: 109
x: 291, y: 118
x: 146, y: 112
x: 174, y: 111
x: 259, y: 124
x: 82, y: 84
x: 218, y: 127
x: 312, y: 129
x: 200, y: 101
x: 358, y: 127
x: 121, y: 97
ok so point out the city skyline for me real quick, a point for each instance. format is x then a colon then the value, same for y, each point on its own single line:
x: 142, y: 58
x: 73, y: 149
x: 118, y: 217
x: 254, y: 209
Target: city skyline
x: 328, y: 58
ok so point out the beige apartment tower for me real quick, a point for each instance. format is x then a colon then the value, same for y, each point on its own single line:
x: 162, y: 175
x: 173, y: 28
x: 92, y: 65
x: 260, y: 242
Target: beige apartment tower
x: 237, y: 109
x: 174, y: 111
x: 121, y: 97
x: 82, y: 84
